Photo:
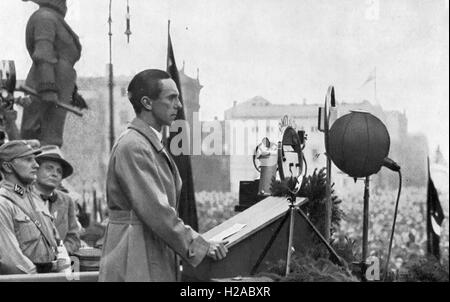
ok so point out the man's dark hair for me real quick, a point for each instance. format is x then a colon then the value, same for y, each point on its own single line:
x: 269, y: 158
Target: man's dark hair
x: 145, y: 83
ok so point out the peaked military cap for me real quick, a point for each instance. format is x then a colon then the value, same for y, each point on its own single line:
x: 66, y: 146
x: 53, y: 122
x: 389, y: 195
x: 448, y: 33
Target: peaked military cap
x: 19, y: 148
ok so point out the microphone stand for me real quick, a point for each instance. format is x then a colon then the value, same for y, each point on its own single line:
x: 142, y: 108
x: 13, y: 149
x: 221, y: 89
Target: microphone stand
x: 293, y: 208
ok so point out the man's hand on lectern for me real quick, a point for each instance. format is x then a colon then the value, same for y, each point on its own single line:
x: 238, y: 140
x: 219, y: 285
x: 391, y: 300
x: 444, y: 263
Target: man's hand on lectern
x: 217, y: 250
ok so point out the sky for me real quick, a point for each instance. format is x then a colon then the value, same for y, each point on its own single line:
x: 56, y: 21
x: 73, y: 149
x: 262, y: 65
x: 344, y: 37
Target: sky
x: 287, y: 51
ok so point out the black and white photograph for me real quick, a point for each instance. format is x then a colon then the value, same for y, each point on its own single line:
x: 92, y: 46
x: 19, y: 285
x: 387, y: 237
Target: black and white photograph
x: 237, y: 142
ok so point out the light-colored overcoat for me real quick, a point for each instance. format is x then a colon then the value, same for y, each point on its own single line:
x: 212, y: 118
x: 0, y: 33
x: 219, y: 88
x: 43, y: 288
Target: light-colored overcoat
x: 144, y: 234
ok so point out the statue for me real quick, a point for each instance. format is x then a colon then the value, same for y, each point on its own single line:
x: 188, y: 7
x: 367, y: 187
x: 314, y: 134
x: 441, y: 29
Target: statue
x: 54, y: 48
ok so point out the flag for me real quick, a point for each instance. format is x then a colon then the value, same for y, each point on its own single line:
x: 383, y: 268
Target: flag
x: 435, y: 217
x: 372, y: 76
x: 187, y: 206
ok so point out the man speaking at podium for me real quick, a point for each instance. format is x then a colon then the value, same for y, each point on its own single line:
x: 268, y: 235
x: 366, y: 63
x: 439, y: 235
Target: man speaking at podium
x: 145, y: 236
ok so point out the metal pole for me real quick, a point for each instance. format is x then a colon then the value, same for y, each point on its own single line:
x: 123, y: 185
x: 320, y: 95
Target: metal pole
x: 291, y: 235
x: 111, y: 84
x: 328, y: 208
x: 365, y: 226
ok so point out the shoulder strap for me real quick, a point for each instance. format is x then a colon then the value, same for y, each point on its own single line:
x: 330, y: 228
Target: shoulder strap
x: 34, y: 220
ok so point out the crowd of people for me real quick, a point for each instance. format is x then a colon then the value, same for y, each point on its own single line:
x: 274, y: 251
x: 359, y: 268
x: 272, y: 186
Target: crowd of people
x: 410, y: 236
x: 214, y: 208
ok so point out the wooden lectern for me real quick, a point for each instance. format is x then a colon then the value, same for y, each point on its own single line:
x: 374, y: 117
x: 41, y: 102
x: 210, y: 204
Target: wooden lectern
x: 247, y: 234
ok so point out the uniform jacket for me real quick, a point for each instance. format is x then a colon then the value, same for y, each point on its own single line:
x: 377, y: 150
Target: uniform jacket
x: 65, y: 220
x: 144, y: 232
x: 22, y: 244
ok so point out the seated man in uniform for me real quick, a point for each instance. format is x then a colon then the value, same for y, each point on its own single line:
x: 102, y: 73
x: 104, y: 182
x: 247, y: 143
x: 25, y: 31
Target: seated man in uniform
x: 53, y: 168
x: 28, y: 237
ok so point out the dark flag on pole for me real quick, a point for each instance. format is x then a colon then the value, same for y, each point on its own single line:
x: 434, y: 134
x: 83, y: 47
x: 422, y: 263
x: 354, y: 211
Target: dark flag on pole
x: 187, y: 207
x: 435, y: 217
